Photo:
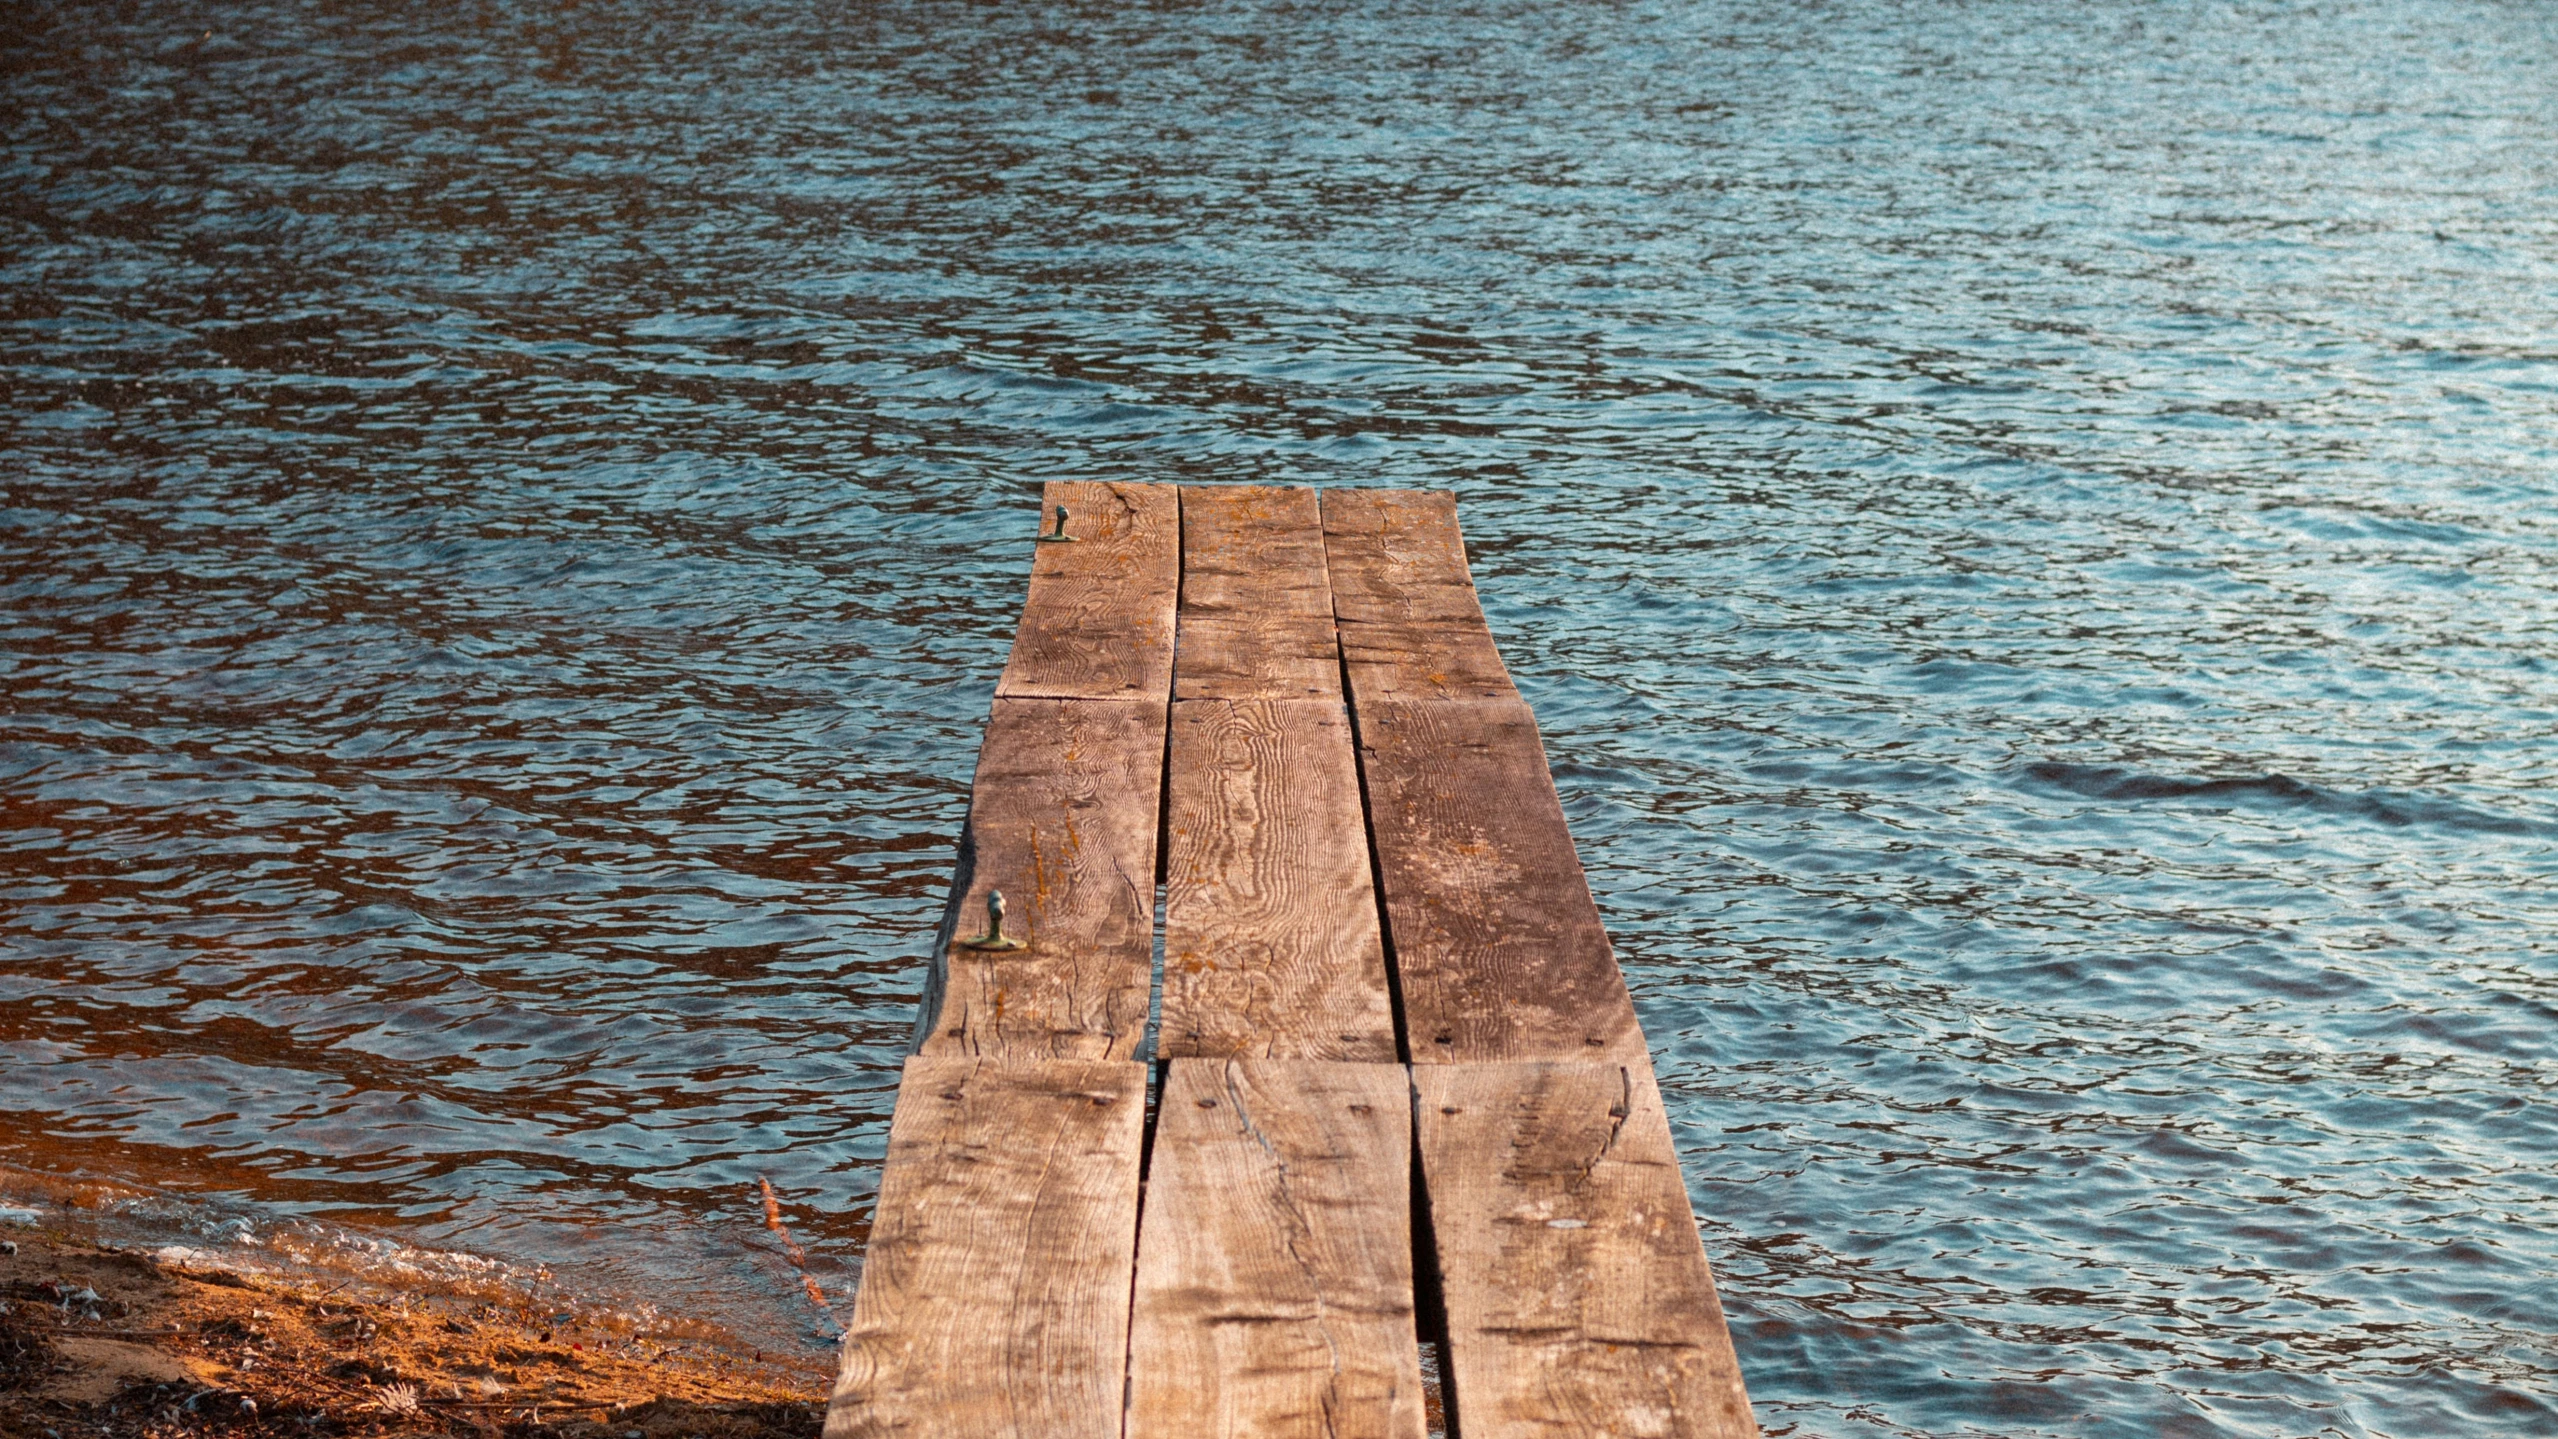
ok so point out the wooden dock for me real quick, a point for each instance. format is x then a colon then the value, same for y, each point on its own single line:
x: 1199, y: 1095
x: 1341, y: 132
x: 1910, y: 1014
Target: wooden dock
x: 1396, y: 1090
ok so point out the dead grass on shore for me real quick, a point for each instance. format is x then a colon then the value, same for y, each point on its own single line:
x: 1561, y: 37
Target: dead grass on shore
x: 100, y: 1343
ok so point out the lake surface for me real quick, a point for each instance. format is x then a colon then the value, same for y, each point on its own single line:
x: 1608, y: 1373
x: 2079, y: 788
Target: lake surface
x: 2032, y: 531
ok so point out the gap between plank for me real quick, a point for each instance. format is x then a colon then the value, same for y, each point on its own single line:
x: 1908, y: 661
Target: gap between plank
x: 1429, y: 1297
x: 1153, y: 1044
x: 1368, y: 823
x: 1156, y: 1073
x: 1157, y: 1069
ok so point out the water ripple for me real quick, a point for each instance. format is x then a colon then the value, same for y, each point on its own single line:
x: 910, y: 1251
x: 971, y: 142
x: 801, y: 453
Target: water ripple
x: 2029, y: 530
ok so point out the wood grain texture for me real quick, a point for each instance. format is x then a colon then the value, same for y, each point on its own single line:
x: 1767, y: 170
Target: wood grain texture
x: 1411, y: 626
x: 1256, y: 604
x: 1063, y: 820
x: 1578, y: 1298
x: 1274, y: 1272
x: 994, y: 1301
x: 1497, y: 945
x: 1099, y: 620
x: 1271, y: 942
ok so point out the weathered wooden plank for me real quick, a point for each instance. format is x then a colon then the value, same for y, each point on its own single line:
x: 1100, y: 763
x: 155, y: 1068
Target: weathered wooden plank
x: 1256, y: 606
x: 1099, y: 620
x: 1271, y: 944
x: 1397, y: 555
x: 1578, y: 1298
x: 1497, y: 945
x: 994, y: 1300
x: 1274, y: 1272
x: 1277, y: 656
x: 1411, y: 626
x: 1062, y: 819
x: 1421, y: 660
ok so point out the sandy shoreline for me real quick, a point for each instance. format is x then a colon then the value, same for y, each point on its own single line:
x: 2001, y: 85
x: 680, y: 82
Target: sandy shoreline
x: 98, y: 1341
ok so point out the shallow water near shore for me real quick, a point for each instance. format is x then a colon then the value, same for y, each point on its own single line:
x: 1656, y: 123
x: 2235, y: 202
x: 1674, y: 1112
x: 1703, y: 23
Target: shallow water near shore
x: 2029, y: 529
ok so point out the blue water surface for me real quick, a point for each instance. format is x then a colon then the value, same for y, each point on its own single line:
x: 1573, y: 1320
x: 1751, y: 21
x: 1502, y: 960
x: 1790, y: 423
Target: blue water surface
x: 2032, y: 531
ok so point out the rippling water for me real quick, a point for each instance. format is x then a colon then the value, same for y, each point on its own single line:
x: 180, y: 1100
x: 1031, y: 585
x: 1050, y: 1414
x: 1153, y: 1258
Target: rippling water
x: 2032, y: 531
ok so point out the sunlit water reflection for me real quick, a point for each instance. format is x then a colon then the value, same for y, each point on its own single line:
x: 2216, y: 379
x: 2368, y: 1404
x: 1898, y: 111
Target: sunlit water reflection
x: 2029, y: 528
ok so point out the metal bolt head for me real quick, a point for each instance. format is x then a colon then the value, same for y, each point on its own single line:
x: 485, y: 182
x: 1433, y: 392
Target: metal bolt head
x: 994, y: 938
